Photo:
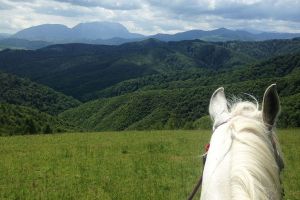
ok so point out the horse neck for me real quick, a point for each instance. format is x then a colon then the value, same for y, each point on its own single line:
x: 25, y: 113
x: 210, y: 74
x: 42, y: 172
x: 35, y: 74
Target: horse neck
x: 216, y: 176
x: 241, y: 164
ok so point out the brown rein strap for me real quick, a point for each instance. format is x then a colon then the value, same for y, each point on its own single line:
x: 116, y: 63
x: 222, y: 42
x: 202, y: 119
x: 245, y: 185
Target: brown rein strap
x: 199, y: 182
x: 196, y: 188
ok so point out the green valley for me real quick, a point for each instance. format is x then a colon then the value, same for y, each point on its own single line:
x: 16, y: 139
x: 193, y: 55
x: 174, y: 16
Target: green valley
x: 148, y: 84
x: 29, y: 108
x: 21, y: 120
x: 171, y: 104
x: 80, y: 69
x: 20, y: 91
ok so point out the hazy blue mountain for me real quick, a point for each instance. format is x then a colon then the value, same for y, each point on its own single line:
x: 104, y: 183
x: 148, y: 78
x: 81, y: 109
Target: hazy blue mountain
x: 15, y: 43
x: 111, y: 33
x: 84, y: 32
x: 102, y: 30
x: 223, y: 34
x: 4, y: 35
x: 45, y: 32
x: 274, y: 35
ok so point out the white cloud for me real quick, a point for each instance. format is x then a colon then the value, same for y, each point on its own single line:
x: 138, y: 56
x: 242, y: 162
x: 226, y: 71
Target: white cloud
x: 153, y: 16
x: 5, y: 6
x: 107, y: 4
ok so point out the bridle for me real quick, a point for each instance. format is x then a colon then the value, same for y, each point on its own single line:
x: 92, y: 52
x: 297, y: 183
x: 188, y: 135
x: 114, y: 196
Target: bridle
x: 277, y: 157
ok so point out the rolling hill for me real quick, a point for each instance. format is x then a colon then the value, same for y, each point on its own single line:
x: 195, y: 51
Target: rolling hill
x: 15, y: 43
x: 181, y: 104
x: 279, y: 66
x: 29, y: 108
x: 17, y: 120
x: 23, y: 92
x: 82, y: 70
x: 148, y: 84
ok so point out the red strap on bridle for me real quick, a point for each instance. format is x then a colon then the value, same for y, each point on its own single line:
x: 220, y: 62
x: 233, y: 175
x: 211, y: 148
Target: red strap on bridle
x: 207, y: 147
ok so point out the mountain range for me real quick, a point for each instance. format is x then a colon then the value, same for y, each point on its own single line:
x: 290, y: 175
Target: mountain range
x: 112, y: 33
x: 82, y: 70
x: 223, y: 34
x: 4, y: 35
x: 148, y: 84
x: 57, y: 33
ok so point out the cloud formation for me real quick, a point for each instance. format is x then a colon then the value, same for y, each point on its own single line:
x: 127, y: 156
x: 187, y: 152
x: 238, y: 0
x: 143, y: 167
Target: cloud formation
x: 107, y: 4
x: 234, y: 9
x: 5, y: 6
x: 153, y: 16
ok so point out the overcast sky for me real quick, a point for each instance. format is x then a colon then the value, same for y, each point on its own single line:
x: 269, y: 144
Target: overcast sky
x: 153, y: 16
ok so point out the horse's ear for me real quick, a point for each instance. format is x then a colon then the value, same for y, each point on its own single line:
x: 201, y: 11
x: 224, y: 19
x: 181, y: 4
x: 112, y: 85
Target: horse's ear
x: 218, y: 105
x: 271, y: 105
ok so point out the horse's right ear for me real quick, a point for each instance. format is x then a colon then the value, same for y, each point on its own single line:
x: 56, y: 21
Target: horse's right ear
x: 218, y: 109
x: 271, y: 105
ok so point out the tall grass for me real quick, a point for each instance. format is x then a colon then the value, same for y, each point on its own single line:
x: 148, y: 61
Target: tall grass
x: 116, y: 165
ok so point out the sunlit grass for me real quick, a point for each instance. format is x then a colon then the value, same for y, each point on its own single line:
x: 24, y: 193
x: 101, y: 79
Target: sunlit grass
x: 116, y: 165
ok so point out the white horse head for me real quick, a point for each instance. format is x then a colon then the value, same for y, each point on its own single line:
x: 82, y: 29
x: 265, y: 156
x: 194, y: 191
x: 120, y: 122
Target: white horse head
x: 244, y: 159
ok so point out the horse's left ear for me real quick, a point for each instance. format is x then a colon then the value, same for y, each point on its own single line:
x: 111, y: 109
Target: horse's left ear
x: 271, y: 105
x: 218, y: 109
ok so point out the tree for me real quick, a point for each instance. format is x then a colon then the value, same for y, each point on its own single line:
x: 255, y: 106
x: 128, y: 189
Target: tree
x: 48, y: 129
x: 30, y: 127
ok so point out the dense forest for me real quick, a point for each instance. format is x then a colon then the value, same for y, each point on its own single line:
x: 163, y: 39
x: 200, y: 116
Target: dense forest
x: 80, y: 70
x: 20, y: 91
x: 27, y: 107
x: 16, y: 119
x: 142, y: 85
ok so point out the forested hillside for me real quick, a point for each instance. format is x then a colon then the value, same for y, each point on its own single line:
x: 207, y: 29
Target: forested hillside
x: 80, y: 70
x: 148, y: 84
x: 271, y: 69
x: 173, y: 104
x: 20, y: 91
x: 25, y: 120
x: 29, y: 108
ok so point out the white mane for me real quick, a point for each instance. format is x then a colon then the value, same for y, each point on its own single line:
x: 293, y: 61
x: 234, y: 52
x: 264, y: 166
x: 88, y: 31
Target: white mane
x: 254, y: 171
x: 244, y: 159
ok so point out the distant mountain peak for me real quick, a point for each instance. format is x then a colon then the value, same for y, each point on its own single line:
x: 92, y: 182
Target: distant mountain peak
x: 105, y: 23
x: 83, y: 31
x: 113, y: 33
x: 101, y: 24
x: 222, y: 29
x: 44, y: 32
x: 100, y: 30
x: 49, y: 25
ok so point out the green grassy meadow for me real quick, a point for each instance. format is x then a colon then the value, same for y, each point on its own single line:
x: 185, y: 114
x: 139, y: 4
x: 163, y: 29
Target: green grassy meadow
x: 117, y: 165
